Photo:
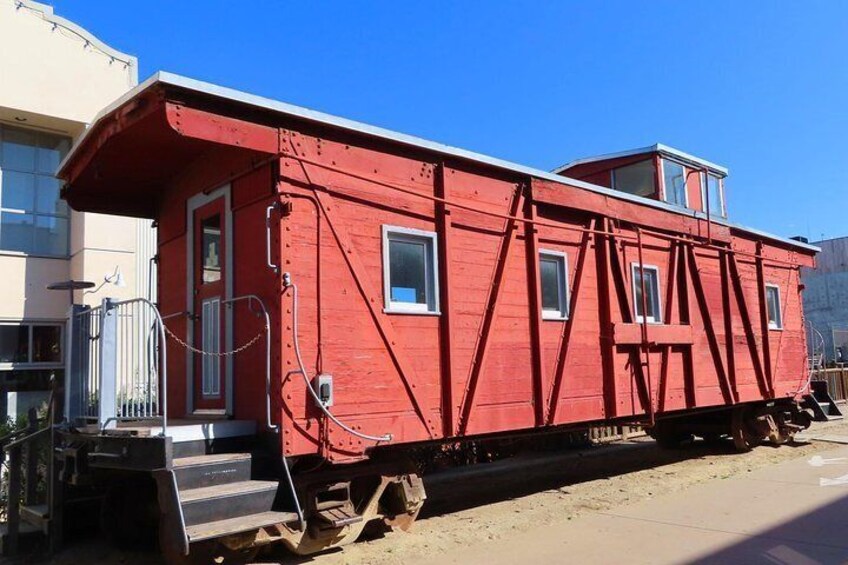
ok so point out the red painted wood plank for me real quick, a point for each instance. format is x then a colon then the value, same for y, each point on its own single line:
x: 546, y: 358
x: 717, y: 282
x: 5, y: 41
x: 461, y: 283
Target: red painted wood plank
x: 568, y: 328
x: 489, y: 314
x: 706, y: 319
x: 657, y: 334
x: 410, y: 379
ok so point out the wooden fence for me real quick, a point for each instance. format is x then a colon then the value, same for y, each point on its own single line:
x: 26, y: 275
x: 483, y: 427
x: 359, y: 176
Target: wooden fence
x: 837, y: 382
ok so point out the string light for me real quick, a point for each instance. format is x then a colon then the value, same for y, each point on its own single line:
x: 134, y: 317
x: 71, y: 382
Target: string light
x: 73, y: 34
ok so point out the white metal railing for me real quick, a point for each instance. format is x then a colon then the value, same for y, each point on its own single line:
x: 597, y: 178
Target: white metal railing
x: 117, y: 364
x: 117, y: 367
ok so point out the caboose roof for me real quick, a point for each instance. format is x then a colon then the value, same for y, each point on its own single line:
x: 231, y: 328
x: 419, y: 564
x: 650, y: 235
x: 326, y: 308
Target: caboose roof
x: 660, y: 148
x: 249, y: 102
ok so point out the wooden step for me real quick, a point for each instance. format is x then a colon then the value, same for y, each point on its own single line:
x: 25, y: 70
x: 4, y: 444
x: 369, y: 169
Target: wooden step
x: 209, y: 470
x: 225, y: 501
x: 36, y: 515
x: 238, y: 525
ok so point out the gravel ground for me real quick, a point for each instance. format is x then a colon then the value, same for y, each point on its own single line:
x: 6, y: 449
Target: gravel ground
x: 499, y: 500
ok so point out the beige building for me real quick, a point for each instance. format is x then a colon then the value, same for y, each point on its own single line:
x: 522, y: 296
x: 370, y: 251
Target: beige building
x: 54, y: 78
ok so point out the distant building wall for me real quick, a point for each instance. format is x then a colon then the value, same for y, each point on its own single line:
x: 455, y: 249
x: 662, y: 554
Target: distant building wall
x: 54, y: 79
x: 826, y: 292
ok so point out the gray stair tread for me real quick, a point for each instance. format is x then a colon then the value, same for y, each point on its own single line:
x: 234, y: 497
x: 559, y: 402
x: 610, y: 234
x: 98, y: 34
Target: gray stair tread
x: 230, y: 489
x: 209, y: 459
x: 220, y: 528
x: 34, y: 514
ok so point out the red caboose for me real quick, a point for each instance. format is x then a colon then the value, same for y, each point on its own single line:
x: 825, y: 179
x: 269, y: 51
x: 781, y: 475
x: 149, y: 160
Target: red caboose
x: 418, y: 294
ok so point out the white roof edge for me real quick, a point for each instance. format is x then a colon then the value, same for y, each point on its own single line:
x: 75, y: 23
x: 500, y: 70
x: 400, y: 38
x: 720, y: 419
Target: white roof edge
x: 656, y: 148
x: 47, y: 13
x: 344, y: 123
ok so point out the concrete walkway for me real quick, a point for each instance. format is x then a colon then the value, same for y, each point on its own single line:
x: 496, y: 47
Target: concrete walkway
x: 794, y: 513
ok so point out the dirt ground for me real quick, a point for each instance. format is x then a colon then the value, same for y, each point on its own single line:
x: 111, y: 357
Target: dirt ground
x: 500, y: 500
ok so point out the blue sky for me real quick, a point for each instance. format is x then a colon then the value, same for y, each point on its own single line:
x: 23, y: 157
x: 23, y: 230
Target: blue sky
x: 760, y: 87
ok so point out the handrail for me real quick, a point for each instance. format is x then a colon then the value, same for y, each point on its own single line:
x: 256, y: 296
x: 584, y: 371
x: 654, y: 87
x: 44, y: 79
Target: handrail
x: 250, y: 298
x: 20, y: 441
x: 8, y: 437
x: 270, y: 264
x: 163, y: 370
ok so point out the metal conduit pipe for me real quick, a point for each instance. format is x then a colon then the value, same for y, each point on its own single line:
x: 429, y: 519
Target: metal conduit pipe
x: 287, y: 283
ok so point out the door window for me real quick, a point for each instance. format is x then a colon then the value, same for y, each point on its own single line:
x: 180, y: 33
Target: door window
x: 211, y: 250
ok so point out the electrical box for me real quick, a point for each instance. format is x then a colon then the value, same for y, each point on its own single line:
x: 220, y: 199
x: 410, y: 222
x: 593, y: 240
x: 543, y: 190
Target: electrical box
x: 323, y: 387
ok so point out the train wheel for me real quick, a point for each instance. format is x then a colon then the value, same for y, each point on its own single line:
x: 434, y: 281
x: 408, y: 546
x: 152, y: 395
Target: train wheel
x: 744, y: 437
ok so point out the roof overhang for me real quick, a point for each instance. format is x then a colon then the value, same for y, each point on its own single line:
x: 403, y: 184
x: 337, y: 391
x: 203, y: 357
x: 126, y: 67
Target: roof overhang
x: 121, y: 163
x: 124, y: 162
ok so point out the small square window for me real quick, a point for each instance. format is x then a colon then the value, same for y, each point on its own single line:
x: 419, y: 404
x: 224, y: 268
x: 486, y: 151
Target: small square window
x: 410, y: 274
x: 674, y: 182
x: 652, y: 294
x: 47, y: 344
x: 775, y: 318
x: 14, y: 344
x: 637, y: 178
x: 22, y: 344
x: 553, y: 269
x: 712, y: 193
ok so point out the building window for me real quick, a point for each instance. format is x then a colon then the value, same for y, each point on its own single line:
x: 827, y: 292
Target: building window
x: 713, y: 190
x: 674, y: 182
x: 637, y: 178
x: 410, y: 272
x: 775, y: 319
x: 33, y: 218
x: 553, y: 269
x: 652, y: 294
x: 37, y: 345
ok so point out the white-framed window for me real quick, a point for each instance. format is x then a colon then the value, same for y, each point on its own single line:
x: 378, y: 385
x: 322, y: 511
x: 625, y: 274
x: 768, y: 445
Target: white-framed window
x: 775, y: 317
x: 33, y: 218
x: 24, y: 345
x: 674, y: 183
x: 410, y: 271
x: 652, y: 294
x: 553, y: 272
x: 637, y: 178
x: 715, y: 194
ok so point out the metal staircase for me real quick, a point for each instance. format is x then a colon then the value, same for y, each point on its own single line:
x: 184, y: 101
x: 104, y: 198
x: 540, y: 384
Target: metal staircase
x: 818, y: 399
x: 218, y: 496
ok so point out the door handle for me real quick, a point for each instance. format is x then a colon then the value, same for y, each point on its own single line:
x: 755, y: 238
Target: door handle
x: 271, y: 265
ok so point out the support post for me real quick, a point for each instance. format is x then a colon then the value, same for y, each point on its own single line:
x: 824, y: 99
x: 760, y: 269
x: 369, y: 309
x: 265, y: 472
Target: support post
x: 534, y: 302
x: 764, y: 322
x: 444, y: 227
x: 31, y: 458
x: 108, y: 364
x: 13, y: 499
x: 605, y: 299
x: 75, y: 349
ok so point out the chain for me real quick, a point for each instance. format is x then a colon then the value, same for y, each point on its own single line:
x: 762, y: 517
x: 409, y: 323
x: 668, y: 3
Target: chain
x: 193, y: 349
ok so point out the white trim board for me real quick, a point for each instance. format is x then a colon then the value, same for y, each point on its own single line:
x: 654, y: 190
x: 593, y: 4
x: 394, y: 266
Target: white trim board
x: 192, y: 204
x: 207, y: 430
